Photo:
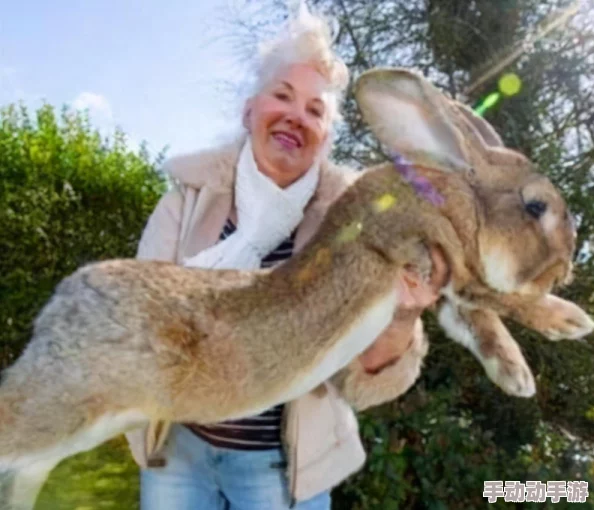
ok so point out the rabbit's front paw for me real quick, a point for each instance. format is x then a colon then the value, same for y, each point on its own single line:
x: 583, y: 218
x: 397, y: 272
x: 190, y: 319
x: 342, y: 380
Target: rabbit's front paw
x: 485, y: 335
x: 513, y: 376
x: 572, y: 325
x: 556, y: 318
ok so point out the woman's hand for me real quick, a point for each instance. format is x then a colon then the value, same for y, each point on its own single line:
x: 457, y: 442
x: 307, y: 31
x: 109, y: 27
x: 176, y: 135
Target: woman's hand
x: 415, y: 296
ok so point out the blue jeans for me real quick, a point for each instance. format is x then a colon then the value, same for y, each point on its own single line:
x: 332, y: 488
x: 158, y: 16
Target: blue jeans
x: 199, y: 476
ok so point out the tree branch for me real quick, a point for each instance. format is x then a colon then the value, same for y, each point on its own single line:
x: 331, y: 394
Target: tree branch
x: 359, y: 56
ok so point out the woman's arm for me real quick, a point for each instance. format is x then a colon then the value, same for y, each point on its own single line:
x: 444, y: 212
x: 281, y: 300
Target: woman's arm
x: 160, y: 238
x: 393, y: 363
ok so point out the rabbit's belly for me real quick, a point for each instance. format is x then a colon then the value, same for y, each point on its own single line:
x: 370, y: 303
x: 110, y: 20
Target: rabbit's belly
x: 361, y: 334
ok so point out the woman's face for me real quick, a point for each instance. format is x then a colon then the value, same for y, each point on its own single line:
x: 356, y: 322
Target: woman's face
x: 289, y: 123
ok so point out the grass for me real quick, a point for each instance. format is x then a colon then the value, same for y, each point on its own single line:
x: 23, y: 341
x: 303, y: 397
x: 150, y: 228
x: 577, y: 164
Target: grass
x: 104, y: 478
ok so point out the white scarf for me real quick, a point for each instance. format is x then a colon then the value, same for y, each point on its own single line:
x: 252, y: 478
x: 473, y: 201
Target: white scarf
x: 266, y: 216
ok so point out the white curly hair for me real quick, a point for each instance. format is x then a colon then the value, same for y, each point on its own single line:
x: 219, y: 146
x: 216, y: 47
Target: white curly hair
x: 306, y: 38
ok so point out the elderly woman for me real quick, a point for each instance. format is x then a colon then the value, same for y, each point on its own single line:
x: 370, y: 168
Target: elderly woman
x: 252, y: 204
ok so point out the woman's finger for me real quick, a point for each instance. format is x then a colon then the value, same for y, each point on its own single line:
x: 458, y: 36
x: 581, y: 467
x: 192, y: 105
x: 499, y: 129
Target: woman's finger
x: 441, y: 271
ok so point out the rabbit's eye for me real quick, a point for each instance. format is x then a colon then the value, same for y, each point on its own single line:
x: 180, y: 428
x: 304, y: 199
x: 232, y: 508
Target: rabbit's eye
x: 535, y: 208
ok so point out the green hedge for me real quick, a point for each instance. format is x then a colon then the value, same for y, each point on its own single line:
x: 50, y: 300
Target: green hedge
x: 67, y: 198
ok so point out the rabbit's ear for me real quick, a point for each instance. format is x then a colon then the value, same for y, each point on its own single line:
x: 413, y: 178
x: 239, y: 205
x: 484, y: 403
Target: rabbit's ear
x: 487, y: 133
x: 409, y: 115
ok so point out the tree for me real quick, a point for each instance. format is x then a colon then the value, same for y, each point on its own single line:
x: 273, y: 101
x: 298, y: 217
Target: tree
x: 455, y: 428
x: 435, y: 446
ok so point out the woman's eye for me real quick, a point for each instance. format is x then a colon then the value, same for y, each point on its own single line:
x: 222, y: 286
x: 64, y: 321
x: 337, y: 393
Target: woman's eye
x: 281, y: 96
x: 316, y: 112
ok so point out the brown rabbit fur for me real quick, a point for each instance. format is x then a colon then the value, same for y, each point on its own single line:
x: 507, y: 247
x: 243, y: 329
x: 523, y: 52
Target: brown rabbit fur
x: 513, y: 257
x: 126, y: 342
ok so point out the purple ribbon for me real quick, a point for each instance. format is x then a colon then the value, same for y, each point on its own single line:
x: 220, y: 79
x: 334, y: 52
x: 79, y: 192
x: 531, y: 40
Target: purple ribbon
x: 422, y: 186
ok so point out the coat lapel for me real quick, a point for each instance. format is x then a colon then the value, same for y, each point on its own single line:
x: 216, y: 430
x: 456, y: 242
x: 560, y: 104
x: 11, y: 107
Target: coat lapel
x: 206, y: 221
x: 208, y: 177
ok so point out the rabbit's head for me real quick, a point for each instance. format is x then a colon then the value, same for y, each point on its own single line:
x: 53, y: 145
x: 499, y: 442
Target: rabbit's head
x: 518, y: 233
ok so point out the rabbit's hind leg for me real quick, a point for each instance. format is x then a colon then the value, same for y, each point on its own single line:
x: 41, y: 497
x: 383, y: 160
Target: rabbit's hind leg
x: 24, y: 469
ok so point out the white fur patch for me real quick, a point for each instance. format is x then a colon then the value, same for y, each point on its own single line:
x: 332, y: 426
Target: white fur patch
x: 550, y: 221
x: 457, y: 329
x: 107, y: 427
x: 360, y: 336
x: 499, y: 268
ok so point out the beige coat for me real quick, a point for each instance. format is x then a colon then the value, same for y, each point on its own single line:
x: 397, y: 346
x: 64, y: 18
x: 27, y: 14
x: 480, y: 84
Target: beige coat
x: 320, y: 429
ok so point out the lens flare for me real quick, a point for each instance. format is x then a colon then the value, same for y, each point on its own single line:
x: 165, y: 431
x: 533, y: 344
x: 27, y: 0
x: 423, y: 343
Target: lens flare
x: 489, y: 102
x: 510, y: 84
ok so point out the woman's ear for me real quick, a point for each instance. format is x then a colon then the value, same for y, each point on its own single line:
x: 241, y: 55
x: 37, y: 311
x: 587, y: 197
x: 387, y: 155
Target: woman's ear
x: 247, y: 112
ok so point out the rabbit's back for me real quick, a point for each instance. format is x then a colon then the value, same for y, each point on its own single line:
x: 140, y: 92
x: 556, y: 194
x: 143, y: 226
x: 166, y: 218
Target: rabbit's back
x: 119, y: 298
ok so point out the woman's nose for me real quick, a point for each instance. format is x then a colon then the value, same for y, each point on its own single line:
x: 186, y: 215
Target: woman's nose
x: 296, y: 117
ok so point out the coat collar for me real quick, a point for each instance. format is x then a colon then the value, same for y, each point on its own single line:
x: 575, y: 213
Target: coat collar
x: 215, y: 169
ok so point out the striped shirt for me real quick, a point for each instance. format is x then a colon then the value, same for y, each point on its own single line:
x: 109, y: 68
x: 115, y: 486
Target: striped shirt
x: 261, y: 432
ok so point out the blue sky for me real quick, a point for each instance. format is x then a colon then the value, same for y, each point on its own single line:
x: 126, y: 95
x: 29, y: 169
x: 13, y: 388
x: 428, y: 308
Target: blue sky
x: 158, y: 69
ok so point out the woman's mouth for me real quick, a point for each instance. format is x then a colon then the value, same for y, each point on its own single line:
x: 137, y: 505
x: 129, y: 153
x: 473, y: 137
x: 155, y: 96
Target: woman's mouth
x: 287, y: 140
